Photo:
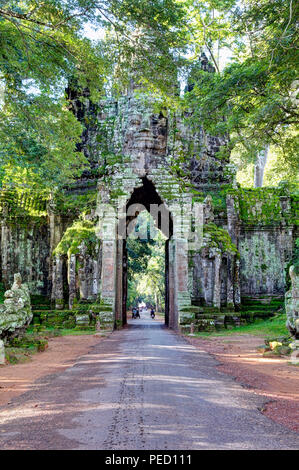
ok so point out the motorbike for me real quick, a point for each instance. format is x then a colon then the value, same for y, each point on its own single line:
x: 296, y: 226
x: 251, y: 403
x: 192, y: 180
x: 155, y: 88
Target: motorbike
x: 135, y: 314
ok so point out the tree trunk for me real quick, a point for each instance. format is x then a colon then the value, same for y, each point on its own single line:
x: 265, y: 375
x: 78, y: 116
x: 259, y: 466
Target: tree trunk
x: 259, y: 167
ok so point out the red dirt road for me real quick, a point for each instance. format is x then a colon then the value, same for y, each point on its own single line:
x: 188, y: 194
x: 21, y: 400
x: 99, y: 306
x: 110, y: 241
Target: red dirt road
x: 274, y: 378
x: 61, y: 353
x: 92, y: 380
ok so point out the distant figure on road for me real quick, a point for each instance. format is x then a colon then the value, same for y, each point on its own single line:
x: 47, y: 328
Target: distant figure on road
x: 135, y: 313
x: 152, y: 313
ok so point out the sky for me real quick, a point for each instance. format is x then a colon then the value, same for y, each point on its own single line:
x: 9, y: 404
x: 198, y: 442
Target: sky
x: 96, y: 33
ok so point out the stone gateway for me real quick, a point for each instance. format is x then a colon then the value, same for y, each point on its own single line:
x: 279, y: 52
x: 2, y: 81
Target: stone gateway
x: 225, y: 246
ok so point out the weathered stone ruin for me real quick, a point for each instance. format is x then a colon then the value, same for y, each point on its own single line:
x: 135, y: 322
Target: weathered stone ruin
x: 15, y: 313
x: 226, y: 247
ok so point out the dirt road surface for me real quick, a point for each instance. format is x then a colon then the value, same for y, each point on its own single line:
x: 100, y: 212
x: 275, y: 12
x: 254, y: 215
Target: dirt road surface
x: 143, y: 387
x: 274, y: 378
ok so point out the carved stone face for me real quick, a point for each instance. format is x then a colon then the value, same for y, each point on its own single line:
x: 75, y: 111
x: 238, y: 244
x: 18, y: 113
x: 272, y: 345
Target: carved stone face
x: 145, y: 133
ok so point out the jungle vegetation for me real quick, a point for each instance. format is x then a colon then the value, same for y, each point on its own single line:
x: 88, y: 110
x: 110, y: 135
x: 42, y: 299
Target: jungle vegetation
x: 146, y: 264
x: 251, y: 96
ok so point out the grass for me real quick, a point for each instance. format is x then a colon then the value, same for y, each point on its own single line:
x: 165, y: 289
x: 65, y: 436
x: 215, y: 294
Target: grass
x: 21, y: 349
x: 52, y: 332
x: 17, y: 355
x: 74, y: 332
x: 272, y: 327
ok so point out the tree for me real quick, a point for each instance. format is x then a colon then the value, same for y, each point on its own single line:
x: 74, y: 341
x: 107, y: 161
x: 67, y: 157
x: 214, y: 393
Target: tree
x: 253, y: 99
x: 42, y: 48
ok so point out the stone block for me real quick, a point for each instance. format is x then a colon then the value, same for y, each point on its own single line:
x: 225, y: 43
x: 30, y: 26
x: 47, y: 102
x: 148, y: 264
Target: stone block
x: 186, y: 317
x: 82, y: 320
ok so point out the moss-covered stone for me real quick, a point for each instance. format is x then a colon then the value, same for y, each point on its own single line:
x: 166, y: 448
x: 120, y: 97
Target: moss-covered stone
x: 82, y: 231
x: 15, y: 313
x: 218, y: 237
x: 75, y: 203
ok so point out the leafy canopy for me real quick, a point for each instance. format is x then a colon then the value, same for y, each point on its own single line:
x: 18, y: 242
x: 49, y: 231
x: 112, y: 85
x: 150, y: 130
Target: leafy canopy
x: 43, y: 46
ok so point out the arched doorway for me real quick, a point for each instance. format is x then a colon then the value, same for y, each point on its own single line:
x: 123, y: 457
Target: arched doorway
x: 144, y: 197
x: 173, y: 206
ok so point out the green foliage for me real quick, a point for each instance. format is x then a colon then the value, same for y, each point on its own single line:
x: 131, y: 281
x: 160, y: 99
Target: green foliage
x: 20, y: 350
x: 20, y: 202
x: 269, y: 328
x: 43, y: 48
x: 82, y: 231
x: 73, y: 203
x: 260, y: 205
x: 219, y: 238
x: 31, y: 342
x: 263, y: 205
x: 254, y: 98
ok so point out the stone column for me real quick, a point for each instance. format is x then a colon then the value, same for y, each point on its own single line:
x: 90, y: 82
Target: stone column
x: 108, y: 292
x: 182, y: 273
x: 233, y: 228
x: 107, y: 235
x: 237, y: 284
x: 119, y: 282
x: 173, y: 306
x: 84, y: 276
x: 179, y: 295
x: 57, y: 282
x: 109, y: 271
x: 57, y: 227
x: 167, y: 283
x: 71, y: 275
x: 217, y: 280
x: 178, y: 257
x: 5, y: 257
x: 233, y: 218
x: 95, y: 278
x: 230, y: 281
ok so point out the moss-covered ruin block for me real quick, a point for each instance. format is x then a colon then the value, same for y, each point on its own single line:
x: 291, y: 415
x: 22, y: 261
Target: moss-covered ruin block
x: 69, y: 324
x: 82, y: 320
x: 15, y: 313
x: 185, y: 329
x: 186, y: 317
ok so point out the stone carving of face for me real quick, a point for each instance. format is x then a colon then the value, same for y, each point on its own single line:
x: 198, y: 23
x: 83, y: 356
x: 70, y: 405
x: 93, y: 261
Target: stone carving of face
x: 145, y: 134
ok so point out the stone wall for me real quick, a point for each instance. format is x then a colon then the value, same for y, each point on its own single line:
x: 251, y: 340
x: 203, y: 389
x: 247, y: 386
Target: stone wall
x: 292, y: 305
x: 25, y: 248
x: 265, y: 253
x: 267, y: 232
